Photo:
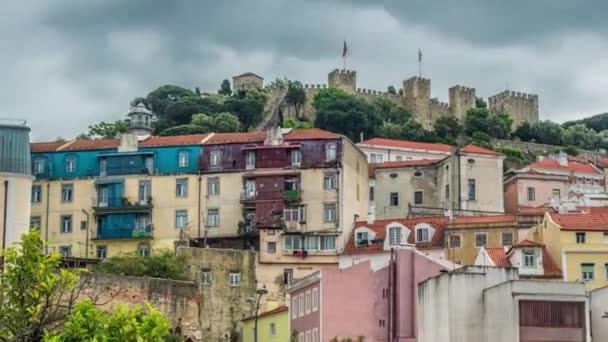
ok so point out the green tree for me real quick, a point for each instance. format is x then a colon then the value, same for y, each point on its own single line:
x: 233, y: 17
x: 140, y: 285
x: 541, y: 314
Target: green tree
x: 480, y: 103
x: 448, y: 129
x: 295, y: 96
x: 161, y: 264
x: 296, y: 124
x: 88, y: 323
x: 547, y: 132
x: 597, y: 122
x: 496, y: 125
x: 580, y: 136
x: 391, y: 90
x: 159, y: 99
x: 226, y: 123
x: 203, y: 120
x: 388, y: 110
x: 248, y: 107
x: 225, y: 88
x: 32, y: 287
x: 107, y: 130
x: 524, y: 132
x: 183, y: 130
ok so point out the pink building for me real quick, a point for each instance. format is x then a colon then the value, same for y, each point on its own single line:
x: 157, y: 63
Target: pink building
x: 380, y: 304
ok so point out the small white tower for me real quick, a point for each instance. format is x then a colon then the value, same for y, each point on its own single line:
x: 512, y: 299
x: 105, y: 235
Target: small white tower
x: 140, y: 120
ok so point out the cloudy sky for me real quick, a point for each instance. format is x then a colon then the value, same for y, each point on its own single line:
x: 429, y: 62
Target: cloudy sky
x: 67, y: 64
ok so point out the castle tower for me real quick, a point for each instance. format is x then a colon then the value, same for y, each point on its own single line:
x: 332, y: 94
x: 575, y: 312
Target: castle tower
x: 461, y: 100
x: 247, y: 81
x: 140, y: 120
x: 343, y: 79
x: 416, y: 98
x: 521, y: 106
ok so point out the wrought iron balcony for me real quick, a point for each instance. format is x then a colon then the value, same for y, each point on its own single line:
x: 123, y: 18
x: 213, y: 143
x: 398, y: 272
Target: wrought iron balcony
x: 124, y: 233
x: 121, y: 204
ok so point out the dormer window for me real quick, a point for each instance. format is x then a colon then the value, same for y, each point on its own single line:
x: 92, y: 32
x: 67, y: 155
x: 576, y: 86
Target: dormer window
x: 70, y: 164
x: 39, y: 166
x: 250, y: 160
x: 183, y: 158
x: 394, y: 236
x: 215, y: 158
x: 529, y: 259
x: 331, y: 151
x: 296, y: 157
x: 422, y: 234
x: 362, y: 238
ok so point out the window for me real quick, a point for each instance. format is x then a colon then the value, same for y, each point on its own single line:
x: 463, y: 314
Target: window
x: 300, y: 337
x: 308, y: 302
x: 287, y: 276
x: 250, y: 188
x: 472, y: 193
x: 507, y: 238
x: 143, y: 249
x: 273, y: 329
x: 308, y: 336
x: 422, y: 234
x: 315, y: 299
x: 418, y: 174
x: 271, y: 247
x: 215, y: 158
x: 149, y: 161
x: 455, y: 241
x: 70, y: 164
x: 394, y: 236
x: 213, y: 186
x: 328, y: 243
x: 294, y: 306
x: 206, y: 277
x: 596, y: 181
x: 39, y: 166
x: 144, y: 192
x: 35, y: 222
x: 329, y: 212
x: 36, y: 193
x: 249, y: 160
x: 418, y: 198
x: 83, y: 225
x: 181, y: 187
x: 301, y: 304
x: 362, y: 238
x: 315, y: 335
x: 331, y: 150
x: 588, y: 181
x: 181, y: 219
x: 398, y: 158
x: 531, y: 194
x: 329, y: 181
x: 235, y: 279
x: 556, y: 193
x: 312, y: 242
x: 394, y: 199
x: 65, y: 251
x: 588, y: 271
x: 66, y: 224
x: 102, y: 252
x: 371, y: 193
x: 213, y: 217
x: 182, y: 159
x: 481, y: 239
x: 292, y: 242
x: 579, y: 180
x: 529, y: 259
x: 66, y: 192
x: 294, y: 213
x: 447, y: 192
x: 580, y: 237
x: 376, y: 158
x: 296, y: 157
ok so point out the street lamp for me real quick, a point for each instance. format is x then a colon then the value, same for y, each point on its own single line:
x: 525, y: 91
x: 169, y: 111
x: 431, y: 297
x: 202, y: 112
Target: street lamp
x: 260, y: 293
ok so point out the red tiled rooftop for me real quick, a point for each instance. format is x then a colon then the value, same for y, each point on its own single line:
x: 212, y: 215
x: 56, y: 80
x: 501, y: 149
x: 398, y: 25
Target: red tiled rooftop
x: 415, y: 145
x: 578, y: 221
x: 499, y: 218
x: 93, y: 144
x: 39, y: 147
x: 573, y: 166
x: 268, y: 313
x: 260, y: 136
x: 498, y: 255
x: 549, y: 265
x: 528, y: 243
x: 533, y: 211
x: 479, y: 150
x: 310, y: 134
x: 397, y: 164
x: 190, y: 139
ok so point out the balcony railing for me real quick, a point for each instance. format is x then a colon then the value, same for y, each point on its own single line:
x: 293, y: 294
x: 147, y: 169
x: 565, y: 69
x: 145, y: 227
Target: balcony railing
x: 121, y: 204
x: 124, y: 233
x: 291, y: 195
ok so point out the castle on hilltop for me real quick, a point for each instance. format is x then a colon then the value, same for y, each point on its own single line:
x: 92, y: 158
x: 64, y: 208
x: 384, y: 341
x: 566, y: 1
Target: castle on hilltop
x: 415, y: 95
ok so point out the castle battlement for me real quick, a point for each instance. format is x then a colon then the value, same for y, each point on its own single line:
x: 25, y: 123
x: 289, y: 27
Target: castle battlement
x: 462, y: 89
x: 344, y: 72
x: 371, y: 92
x: 417, y: 80
x: 440, y: 105
x: 514, y: 95
x: 315, y: 86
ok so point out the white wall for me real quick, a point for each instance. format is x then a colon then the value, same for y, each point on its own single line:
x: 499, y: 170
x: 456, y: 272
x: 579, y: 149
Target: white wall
x: 377, y: 260
x: 599, y: 306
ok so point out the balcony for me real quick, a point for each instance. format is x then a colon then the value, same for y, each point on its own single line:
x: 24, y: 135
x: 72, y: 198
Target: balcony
x: 121, y: 204
x: 291, y: 195
x: 124, y: 233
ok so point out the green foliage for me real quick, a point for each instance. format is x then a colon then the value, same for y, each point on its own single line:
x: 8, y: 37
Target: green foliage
x: 183, y: 130
x: 391, y: 90
x: 295, y: 96
x: 542, y: 132
x: 296, y: 124
x: 480, y: 103
x: 88, y: 323
x: 448, y: 129
x: 571, y: 150
x: 480, y: 120
x: 248, y: 107
x: 225, y: 88
x: 31, y: 289
x: 278, y: 83
x: 510, y: 152
x: 580, y: 136
x: 597, y: 122
x: 161, y: 264
x: 105, y: 130
x: 388, y: 110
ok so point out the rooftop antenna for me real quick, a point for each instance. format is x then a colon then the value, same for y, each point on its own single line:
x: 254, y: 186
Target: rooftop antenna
x: 344, y: 54
x: 419, y: 63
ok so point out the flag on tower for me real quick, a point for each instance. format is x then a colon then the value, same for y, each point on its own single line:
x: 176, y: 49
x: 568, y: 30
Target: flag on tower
x: 344, y: 50
x: 419, y: 55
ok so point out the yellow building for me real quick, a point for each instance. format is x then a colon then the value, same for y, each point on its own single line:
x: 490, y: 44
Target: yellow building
x: 273, y: 326
x: 579, y: 245
x: 465, y: 235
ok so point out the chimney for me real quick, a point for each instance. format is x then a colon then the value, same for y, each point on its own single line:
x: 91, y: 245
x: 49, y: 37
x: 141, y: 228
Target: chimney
x: 274, y: 136
x: 562, y: 158
x: 371, y: 217
x: 128, y: 143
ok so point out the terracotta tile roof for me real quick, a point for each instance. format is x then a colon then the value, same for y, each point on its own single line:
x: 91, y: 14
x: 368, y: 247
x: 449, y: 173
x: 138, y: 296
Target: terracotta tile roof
x: 310, y: 134
x: 282, y: 308
x: 499, y: 218
x: 176, y: 140
x: 94, y: 144
x: 498, y: 255
x: 379, y: 227
x: 550, y: 164
x: 549, y: 265
x: 397, y: 164
x: 577, y: 221
x: 594, y: 210
x: 39, y: 147
x: 415, y: 145
x: 533, y: 211
x: 235, y: 138
x: 601, y: 161
x: 479, y: 150
x: 528, y: 243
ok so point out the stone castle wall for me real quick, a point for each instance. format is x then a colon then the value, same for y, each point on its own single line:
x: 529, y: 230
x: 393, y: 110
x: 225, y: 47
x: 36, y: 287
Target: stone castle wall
x: 522, y: 106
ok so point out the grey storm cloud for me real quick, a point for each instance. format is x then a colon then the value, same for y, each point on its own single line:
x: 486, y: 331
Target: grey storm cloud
x: 69, y: 64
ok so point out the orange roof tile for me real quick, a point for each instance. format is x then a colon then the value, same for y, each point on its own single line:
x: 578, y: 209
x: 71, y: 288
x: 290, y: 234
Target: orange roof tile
x: 39, y: 147
x: 236, y: 138
x: 479, y: 150
x: 498, y: 218
x: 498, y: 255
x: 414, y: 145
x: 549, y: 265
x: 594, y: 210
x: 578, y: 221
x: 397, y: 164
x: 268, y: 313
x: 310, y: 134
x: 573, y: 166
x: 528, y: 243
x: 533, y: 211
x: 379, y: 228
x: 93, y: 144
x: 176, y: 140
